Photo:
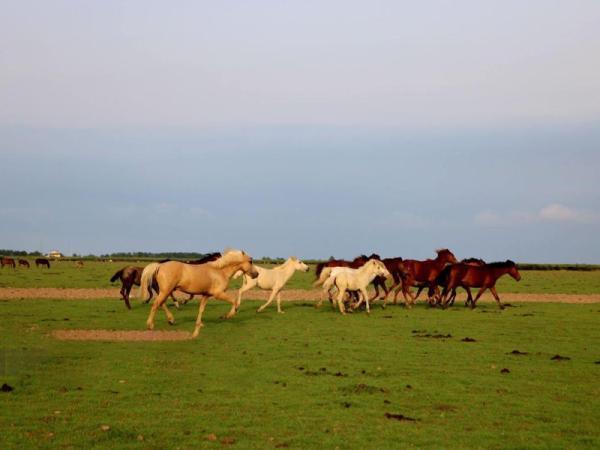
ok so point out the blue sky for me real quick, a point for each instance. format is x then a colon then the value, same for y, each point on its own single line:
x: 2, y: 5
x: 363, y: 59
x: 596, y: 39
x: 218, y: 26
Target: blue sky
x: 306, y: 128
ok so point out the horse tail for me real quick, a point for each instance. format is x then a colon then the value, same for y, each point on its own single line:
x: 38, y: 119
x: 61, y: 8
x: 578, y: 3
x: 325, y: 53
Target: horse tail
x: 145, y: 291
x: 324, y: 275
x: 117, y: 275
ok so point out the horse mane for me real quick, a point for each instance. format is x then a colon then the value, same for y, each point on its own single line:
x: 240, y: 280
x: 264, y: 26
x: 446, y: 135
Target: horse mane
x: 502, y: 264
x: 229, y: 256
x: 206, y: 258
x: 360, y: 257
x: 374, y: 256
x: 473, y: 260
x: 442, y: 250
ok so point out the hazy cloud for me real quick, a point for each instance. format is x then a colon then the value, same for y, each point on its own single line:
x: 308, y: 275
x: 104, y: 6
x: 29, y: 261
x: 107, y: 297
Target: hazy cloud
x: 554, y: 212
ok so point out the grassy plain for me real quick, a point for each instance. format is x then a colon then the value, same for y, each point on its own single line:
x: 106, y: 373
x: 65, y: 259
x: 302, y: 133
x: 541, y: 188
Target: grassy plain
x: 306, y: 379
x: 97, y: 274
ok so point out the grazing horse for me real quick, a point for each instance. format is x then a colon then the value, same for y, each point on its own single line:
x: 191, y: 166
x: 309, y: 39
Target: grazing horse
x: 42, y: 262
x: 209, y: 280
x: 483, y: 277
x: 129, y: 276
x: 6, y: 261
x: 348, y: 279
x: 423, y: 273
x: 273, y: 279
x: 24, y: 263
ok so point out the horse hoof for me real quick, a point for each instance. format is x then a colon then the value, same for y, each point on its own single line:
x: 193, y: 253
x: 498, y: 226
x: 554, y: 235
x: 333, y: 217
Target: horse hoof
x: 150, y: 326
x: 280, y: 312
x: 171, y: 322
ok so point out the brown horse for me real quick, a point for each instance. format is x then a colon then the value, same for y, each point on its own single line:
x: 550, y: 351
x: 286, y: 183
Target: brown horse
x: 483, y: 277
x: 395, y: 267
x: 423, y: 273
x: 42, y: 262
x: 209, y: 280
x: 24, y: 263
x: 443, y: 277
x: 130, y: 276
x: 6, y: 261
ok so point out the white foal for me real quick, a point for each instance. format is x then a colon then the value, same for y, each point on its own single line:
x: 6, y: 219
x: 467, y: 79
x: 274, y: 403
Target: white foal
x: 274, y: 279
x: 357, y: 280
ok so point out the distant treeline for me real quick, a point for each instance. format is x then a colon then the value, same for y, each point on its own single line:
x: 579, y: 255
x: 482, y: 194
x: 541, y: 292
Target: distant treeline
x: 6, y: 252
x: 186, y: 256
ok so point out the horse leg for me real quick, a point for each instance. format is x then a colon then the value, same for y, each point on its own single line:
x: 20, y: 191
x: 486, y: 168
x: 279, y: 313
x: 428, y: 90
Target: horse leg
x: 366, y: 297
x: 481, y: 291
x: 126, y: 297
x: 170, y: 317
x: 246, y: 286
x: 226, y: 298
x: 160, y: 299
x: 340, y: 300
x: 199, y: 323
x: 469, y: 296
x: 271, y: 297
x: 495, y: 294
x: 175, y: 301
x: 279, y: 310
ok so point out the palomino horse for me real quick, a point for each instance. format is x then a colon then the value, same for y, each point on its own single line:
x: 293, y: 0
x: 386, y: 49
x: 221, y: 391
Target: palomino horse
x: 24, y: 263
x: 209, y: 280
x: 6, y: 261
x: 483, y: 277
x: 42, y: 262
x: 151, y: 268
x: 273, y: 279
x: 423, y: 273
x: 348, y: 279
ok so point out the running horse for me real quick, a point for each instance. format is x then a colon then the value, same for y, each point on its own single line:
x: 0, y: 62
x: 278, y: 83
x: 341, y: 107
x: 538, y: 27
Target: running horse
x: 209, y: 280
x: 6, y: 261
x: 131, y: 276
x: 354, y: 264
x: 443, y: 277
x: 423, y: 274
x: 483, y: 277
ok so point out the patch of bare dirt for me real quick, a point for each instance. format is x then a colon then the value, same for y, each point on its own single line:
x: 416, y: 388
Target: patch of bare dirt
x: 116, y: 335
x: 287, y: 295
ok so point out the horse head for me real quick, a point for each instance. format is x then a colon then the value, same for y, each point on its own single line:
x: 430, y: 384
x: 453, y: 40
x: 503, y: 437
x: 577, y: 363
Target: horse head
x: 513, y: 270
x: 446, y: 256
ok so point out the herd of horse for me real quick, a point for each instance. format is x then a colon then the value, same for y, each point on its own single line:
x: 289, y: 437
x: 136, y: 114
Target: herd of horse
x: 10, y: 262
x: 209, y: 277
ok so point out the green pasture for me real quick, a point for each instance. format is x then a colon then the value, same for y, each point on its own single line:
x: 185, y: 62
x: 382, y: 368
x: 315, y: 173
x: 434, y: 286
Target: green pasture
x: 305, y: 379
x: 95, y: 274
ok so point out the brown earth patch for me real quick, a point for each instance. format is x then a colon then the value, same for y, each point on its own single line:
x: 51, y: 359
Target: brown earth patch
x: 120, y: 335
x: 287, y: 295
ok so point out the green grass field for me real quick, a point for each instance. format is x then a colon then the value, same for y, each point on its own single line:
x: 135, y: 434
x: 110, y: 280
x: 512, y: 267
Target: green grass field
x: 306, y: 379
x: 95, y: 274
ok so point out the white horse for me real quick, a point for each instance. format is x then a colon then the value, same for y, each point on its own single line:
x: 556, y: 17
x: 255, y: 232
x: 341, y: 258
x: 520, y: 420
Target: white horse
x: 327, y: 279
x: 356, y: 280
x: 274, y: 279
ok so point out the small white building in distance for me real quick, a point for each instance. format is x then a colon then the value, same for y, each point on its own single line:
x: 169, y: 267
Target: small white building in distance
x: 54, y: 254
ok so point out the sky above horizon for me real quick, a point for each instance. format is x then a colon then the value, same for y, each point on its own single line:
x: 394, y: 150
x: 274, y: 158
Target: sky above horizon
x: 307, y: 128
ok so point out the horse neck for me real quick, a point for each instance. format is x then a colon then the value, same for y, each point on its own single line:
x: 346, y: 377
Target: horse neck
x: 366, y: 271
x: 230, y: 269
x: 497, y: 272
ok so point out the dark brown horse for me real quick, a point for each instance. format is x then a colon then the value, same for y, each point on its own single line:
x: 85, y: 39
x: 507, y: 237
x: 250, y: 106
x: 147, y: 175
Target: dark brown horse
x: 482, y: 277
x: 6, y: 261
x: 395, y: 266
x: 24, y: 263
x: 42, y: 262
x: 423, y: 273
x: 130, y: 276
